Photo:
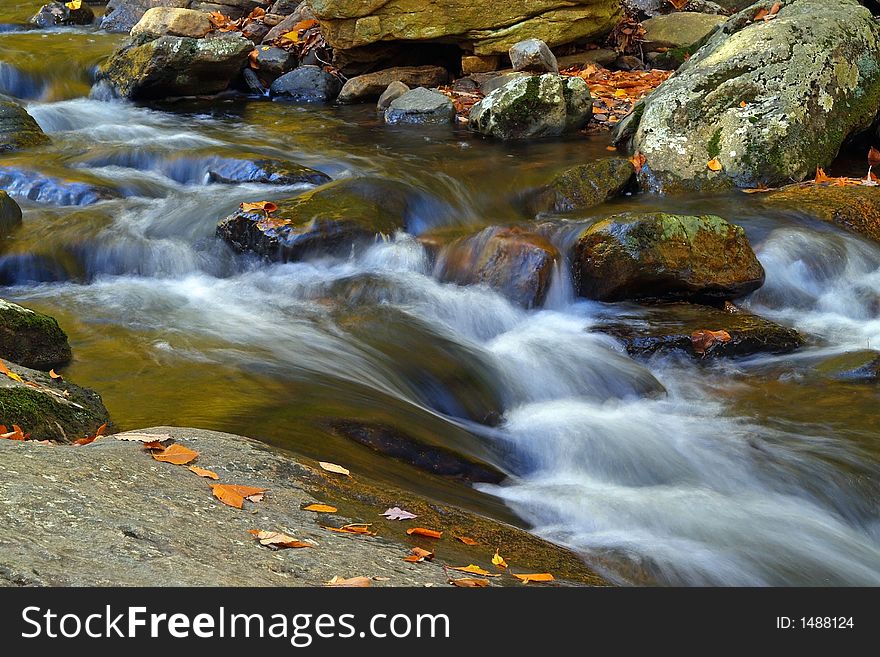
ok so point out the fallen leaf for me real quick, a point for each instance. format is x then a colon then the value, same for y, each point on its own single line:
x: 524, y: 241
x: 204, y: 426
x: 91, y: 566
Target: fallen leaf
x: 332, y: 467
x: 821, y: 177
x: 534, y: 577
x: 73, y: 5
x: 714, y: 164
x: 679, y: 4
x: 12, y: 375
x: 277, y: 540
x: 873, y: 157
x: 760, y: 15
x: 144, y: 437
x: 176, y: 454
x: 355, y: 582
x: 209, y: 474
x: 498, y: 560
x: 320, y: 508
x: 418, y: 554
x: 421, y: 531
x: 54, y: 375
x: 15, y: 434
x: 775, y: 8
x: 469, y: 582
x: 638, y: 161
x: 155, y: 445
x: 93, y: 437
x: 475, y: 570
x: 354, y: 528
x: 235, y: 496
x: 261, y: 206
x: 611, y: 148
x: 466, y: 540
x: 703, y: 340
x: 396, y: 513
x: 743, y: 104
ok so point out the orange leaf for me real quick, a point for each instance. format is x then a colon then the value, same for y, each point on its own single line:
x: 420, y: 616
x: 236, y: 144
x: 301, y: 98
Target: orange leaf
x: 12, y: 375
x: 743, y: 104
x: 320, y: 508
x: 762, y: 13
x: 421, y: 531
x: 611, y: 148
x: 475, y: 570
x: 176, y: 454
x: 498, y: 560
x: 332, y: 467
x: 470, y: 582
x: 534, y: 577
x: 85, y: 441
x: 703, y: 340
x: 264, y: 206
x: 775, y: 8
x: 418, y: 554
x: 209, y: 474
x: 638, y: 161
x: 466, y: 540
x: 277, y: 540
x: 15, y: 434
x: 873, y: 157
x: 54, y: 375
x: 714, y: 164
x: 153, y: 445
x: 233, y: 495
x: 354, y: 528
x: 356, y: 582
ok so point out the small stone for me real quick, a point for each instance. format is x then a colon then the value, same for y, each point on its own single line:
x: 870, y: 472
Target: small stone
x: 394, y: 91
x: 533, y: 55
x: 273, y: 62
x: 308, y: 84
x: 58, y: 13
x: 420, y: 106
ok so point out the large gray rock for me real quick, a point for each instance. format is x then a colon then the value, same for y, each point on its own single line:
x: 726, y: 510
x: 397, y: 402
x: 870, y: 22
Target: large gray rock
x: 367, y: 87
x: 176, y: 66
x: 10, y: 215
x: 31, y: 339
x: 421, y: 106
x: 18, y: 130
x: 54, y: 14
x: 394, y: 91
x: 668, y: 256
x: 122, y: 15
x: 307, y: 84
x: 273, y: 62
x: 533, y: 55
x: 169, y: 21
x: 535, y: 106
x: 770, y: 101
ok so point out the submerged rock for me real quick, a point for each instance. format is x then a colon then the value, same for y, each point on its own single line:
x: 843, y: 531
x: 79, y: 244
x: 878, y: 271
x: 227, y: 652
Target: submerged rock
x: 533, y: 106
x: 517, y: 263
x: 41, y: 188
x: 170, y: 21
x: 587, y: 185
x: 10, y: 215
x: 855, y: 366
x: 50, y: 409
x: 307, y: 84
x: 59, y: 13
x: 671, y: 327
x: 770, y: 101
x: 421, y: 106
x: 533, y: 55
x: 660, y: 255
x: 329, y: 219
x: 266, y: 171
x: 122, y: 15
x: 369, y: 86
x: 31, y: 339
x: 856, y: 209
x: 18, y: 130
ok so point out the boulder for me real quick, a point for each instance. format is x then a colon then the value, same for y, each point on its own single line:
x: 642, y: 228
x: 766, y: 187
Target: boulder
x: 534, y: 56
x: 770, y: 101
x: 660, y: 255
x: 486, y: 26
x: 307, y: 84
x: 861, y: 366
x: 40, y: 188
x: 262, y: 170
x: 587, y: 185
x: 58, y: 13
x: 394, y: 91
x: 31, y: 339
x: 122, y: 15
x: 856, y: 209
x: 421, y: 106
x: 273, y: 62
x: 683, y: 29
x: 367, y: 87
x: 546, y: 105
x: 169, y: 21
x: 515, y: 262
x: 49, y: 409
x: 479, y: 63
x: 176, y: 66
x: 493, y: 82
x: 18, y: 130
x: 10, y: 215
x: 326, y: 220
x: 676, y: 327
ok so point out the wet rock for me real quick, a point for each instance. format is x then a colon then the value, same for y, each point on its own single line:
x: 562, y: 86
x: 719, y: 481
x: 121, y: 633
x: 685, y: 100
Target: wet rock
x: 479, y: 63
x: 598, y: 56
x: 169, y: 21
x: 31, y: 339
x: 659, y: 255
x: 301, y: 13
x: 668, y: 328
x: 534, y: 56
x: 122, y: 15
x: 274, y: 62
x: 266, y: 171
x: 307, y: 84
x: 233, y: 8
x: 855, y: 366
x: 176, y: 66
x: 420, y: 106
x: 285, y: 7
x: 19, y: 84
x: 486, y: 26
x: 628, y: 63
x: 394, y: 91
x: 54, y: 410
x: 58, y: 13
x: 586, y: 185
x: 329, y: 219
x: 368, y: 87
x: 808, y: 80
x: 10, y: 215
x: 856, y: 209
x: 18, y: 130
x: 255, y: 31
x: 41, y: 188
x: 682, y: 29
x: 494, y: 82
x: 535, y: 106
x: 515, y: 262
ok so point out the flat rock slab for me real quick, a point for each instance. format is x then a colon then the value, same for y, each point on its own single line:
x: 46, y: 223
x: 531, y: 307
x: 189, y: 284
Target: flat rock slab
x: 109, y: 514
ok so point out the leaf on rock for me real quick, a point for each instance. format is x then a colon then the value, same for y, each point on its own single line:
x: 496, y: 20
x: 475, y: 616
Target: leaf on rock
x: 466, y: 540
x: 703, y: 340
x: 93, y: 437
x: 54, y: 375
x: 873, y: 157
x: 320, y: 508
x: 332, y: 467
x: 761, y: 15
x: 469, y: 582
x: 353, y: 528
x: 418, y: 554
x: 775, y: 8
x: 176, y: 454
x: 396, y: 513
x: 144, y: 437
x: 234, y: 496
x: 12, y: 375
x: 638, y: 161
x: 209, y: 474
x: 498, y: 560
x: 277, y: 540
x: 714, y: 164
x: 475, y: 570
x: 351, y: 582
x: 534, y: 577
x: 73, y: 5
x: 15, y: 434
x: 421, y: 531
x: 261, y: 206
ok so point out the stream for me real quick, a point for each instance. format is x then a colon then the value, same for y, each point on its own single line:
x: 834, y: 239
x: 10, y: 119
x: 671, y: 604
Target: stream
x: 746, y: 472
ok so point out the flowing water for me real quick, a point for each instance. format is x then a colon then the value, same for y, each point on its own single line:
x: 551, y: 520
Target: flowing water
x: 747, y: 472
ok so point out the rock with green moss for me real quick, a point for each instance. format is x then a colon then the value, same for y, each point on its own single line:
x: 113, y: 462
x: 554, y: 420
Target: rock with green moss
x: 668, y: 256
x: 328, y: 219
x: 18, y: 130
x: 770, y: 100
x: 586, y: 185
x: 862, y: 366
x: 10, y: 215
x: 31, y: 339
x: 546, y: 105
x: 175, y: 66
x: 682, y: 29
x: 49, y: 409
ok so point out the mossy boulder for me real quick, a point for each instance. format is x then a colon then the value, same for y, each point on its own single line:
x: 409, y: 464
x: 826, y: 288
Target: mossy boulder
x: 10, y: 215
x: 855, y: 366
x: 586, y: 185
x: 856, y: 209
x: 770, y: 100
x: 263, y: 170
x: 175, y: 66
x: 49, y: 409
x: 18, y: 130
x: 31, y: 339
x: 670, y: 327
x: 661, y: 255
x: 546, y: 105
x: 328, y: 219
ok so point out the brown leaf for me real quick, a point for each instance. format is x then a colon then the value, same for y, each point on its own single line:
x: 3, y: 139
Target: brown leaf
x: 873, y: 157
x: 176, y: 454
x: 54, y: 375
x: 261, y: 206
x: 277, y: 540
x: 475, y: 570
x: 332, y: 467
x: 421, y: 531
x: 466, y: 540
x: 761, y: 15
x: 93, y: 437
x: 638, y: 161
x: 703, y: 340
x: 534, y: 577
x: 775, y: 8
x: 320, y: 508
x: 353, y: 528
x: 418, y: 554
x: 355, y: 582
x: 209, y: 474
x: 155, y: 445
x: 469, y: 582
x: 15, y: 434
x: 714, y: 164
x: 235, y: 496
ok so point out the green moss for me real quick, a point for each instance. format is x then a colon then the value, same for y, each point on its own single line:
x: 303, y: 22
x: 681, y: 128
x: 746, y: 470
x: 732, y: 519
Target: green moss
x: 714, y: 145
x: 520, y: 112
x: 19, y: 320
